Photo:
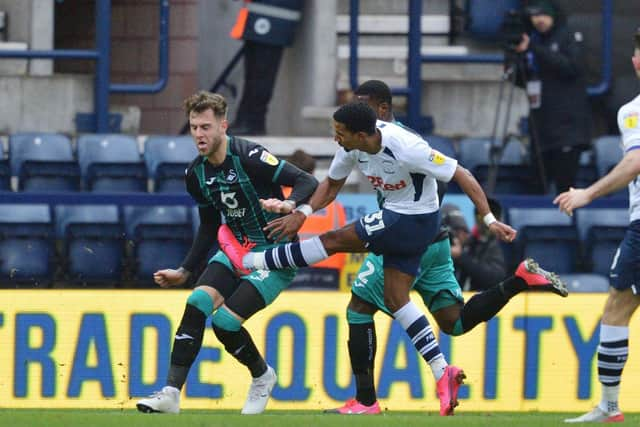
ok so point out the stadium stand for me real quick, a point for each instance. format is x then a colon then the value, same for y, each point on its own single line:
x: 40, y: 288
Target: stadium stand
x: 587, y: 172
x: 111, y: 163
x: 547, y: 235
x: 43, y: 162
x: 26, y: 245
x: 166, y: 158
x: 161, y: 237
x: 608, y: 152
x: 585, y: 282
x: 92, y: 239
x: 5, y: 175
x: 514, y: 176
x: 601, y: 231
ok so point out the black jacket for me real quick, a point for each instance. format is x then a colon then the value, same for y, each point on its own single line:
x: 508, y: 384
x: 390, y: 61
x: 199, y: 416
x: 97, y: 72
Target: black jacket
x: 482, y: 263
x: 556, y: 59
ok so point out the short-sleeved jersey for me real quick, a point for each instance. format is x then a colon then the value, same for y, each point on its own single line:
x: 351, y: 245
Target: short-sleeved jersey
x: 248, y: 173
x: 629, y: 125
x: 403, y: 172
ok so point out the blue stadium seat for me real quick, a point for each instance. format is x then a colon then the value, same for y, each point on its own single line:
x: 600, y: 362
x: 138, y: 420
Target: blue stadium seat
x: 167, y: 157
x: 608, y: 152
x: 161, y: 236
x: 601, y: 231
x: 26, y: 245
x: 580, y: 283
x: 111, y: 163
x: 514, y: 175
x: 93, y: 242
x: 43, y: 162
x: 485, y: 17
x: 442, y: 144
x: 547, y: 235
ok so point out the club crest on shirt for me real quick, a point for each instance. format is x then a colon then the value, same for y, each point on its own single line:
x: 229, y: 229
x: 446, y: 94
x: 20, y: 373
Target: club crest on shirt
x: 630, y: 120
x: 268, y: 158
x: 232, y: 176
x: 436, y: 157
x: 388, y: 167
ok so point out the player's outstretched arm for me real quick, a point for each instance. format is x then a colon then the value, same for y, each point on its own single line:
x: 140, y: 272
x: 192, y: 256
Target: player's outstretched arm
x: 626, y: 171
x: 474, y: 191
x: 289, y: 225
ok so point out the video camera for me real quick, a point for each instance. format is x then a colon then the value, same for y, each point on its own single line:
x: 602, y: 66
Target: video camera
x: 515, y: 23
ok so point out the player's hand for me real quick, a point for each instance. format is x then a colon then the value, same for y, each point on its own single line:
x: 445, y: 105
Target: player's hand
x: 285, y: 227
x: 169, y: 277
x: 277, y: 205
x: 572, y: 199
x: 503, y: 231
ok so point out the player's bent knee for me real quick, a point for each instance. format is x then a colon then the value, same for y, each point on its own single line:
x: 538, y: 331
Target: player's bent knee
x: 354, y: 317
x: 201, y: 300
x: 225, y: 321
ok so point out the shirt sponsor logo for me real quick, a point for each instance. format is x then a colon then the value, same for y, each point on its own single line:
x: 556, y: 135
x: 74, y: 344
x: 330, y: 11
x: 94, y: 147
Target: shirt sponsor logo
x: 236, y: 213
x: 630, y: 121
x: 377, y: 182
x: 436, y: 157
x: 268, y: 158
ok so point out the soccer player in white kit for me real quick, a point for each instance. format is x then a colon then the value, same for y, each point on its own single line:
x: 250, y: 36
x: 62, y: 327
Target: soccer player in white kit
x: 624, y: 291
x: 403, y: 169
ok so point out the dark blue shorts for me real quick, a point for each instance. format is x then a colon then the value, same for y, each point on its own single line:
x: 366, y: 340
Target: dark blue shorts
x: 400, y: 238
x: 625, y: 268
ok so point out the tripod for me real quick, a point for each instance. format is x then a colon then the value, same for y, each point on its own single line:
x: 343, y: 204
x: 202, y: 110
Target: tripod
x: 515, y: 70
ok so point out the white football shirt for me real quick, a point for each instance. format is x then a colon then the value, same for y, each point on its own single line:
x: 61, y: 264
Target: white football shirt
x: 629, y: 125
x: 403, y: 172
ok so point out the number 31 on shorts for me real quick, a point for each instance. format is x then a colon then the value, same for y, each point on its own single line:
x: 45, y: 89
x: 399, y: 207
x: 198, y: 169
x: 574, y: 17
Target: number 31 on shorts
x: 373, y: 222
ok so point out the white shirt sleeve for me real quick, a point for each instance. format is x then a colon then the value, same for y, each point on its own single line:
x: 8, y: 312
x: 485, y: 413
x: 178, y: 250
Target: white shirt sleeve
x: 421, y: 158
x: 629, y: 124
x: 342, y: 164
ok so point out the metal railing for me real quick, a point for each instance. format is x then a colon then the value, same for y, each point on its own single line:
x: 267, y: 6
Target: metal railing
x: 413, y: 90
x: 102, y: 55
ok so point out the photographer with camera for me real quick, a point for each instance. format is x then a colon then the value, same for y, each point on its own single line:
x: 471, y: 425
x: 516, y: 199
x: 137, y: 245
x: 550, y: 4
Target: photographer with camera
x: 553, y: 73
x: 477, y: 256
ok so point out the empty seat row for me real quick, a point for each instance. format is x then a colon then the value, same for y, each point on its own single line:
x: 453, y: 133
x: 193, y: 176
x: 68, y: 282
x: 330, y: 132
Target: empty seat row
x: 94, y: 243
x: 514, y: 175
x: 112, y: 163
x: 587, y: 241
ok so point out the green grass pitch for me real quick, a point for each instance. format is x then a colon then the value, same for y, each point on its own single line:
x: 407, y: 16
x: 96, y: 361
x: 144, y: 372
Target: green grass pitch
x: 111, y: 418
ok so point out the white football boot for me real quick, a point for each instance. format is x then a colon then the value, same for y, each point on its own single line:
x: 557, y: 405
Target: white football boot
x: 259, y: 392
x: 597, y: 415
x: 165, y: 401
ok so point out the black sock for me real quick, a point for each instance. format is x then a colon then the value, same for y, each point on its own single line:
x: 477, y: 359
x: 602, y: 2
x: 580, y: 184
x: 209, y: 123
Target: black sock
x: 484, y: 305
x: 186, y: 345
x: 512, y: 286
x: 240, y: 345
x: 362, y: 352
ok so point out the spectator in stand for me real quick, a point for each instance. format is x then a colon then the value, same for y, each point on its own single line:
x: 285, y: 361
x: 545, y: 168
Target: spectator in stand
x: 551, y: 69
x: 267, y: 27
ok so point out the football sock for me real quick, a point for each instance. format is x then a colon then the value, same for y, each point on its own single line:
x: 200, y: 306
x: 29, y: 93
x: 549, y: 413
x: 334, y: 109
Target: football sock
x: 482, y: 306
x: 299, y: 254
x: 421, y: 334
x: 186, y: 345
x: 240, y: 345
x: 362, y: 353
x: 612, y: 356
